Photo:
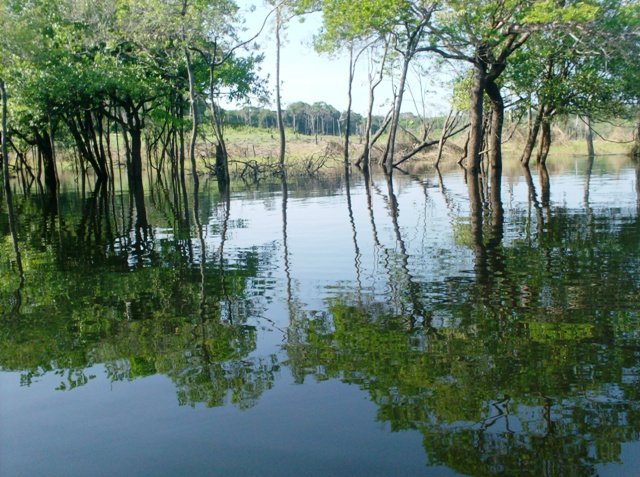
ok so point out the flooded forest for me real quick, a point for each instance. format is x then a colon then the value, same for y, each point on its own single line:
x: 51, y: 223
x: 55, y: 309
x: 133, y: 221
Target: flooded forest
x: 202, y: 275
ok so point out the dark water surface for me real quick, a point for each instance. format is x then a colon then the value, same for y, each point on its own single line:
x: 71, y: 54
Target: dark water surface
x: 332, y: 329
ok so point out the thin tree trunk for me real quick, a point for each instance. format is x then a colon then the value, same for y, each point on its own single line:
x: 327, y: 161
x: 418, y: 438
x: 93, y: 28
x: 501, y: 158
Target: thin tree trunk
x: 347, y: 128
x: 388, y: 156
x: 281, y: 153
x: 364, y: 157
x: 635, y: 152
x: 497, y: 122
x: 590, y: 150
x: 534, y: 128
x: 194, y: 117
x: 441, y: 142
x: 222, y: 157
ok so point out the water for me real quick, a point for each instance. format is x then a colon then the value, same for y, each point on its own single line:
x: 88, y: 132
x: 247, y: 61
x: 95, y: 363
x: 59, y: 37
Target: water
x: 330, y: 329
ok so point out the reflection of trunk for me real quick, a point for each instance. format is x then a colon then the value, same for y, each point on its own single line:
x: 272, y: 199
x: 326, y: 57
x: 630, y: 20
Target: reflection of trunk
x: 141, y: 210
x: 367, y: 185
x: 532, y: 136
x: 533, y: 196
x: 545, y: 186
x: 443, y: 190
x: 225, y: 197
x: 476, y: 221
x: 201, y: 243
x: 285, y: 244
x: 353, y: 228
x: 587, y: 182
x: 411, y: 285
x: 7, y: 185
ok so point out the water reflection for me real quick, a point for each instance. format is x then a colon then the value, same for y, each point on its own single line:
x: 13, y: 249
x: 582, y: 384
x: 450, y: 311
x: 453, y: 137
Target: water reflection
x: 506, y: 337
x: 519, y: 377
x: 104, y: 288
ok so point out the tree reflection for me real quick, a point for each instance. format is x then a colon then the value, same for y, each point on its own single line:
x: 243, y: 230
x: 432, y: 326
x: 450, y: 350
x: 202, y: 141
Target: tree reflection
x: 532, y: 371
x: 98, y: 300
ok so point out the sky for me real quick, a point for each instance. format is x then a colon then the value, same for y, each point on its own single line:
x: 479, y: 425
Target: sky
x: 309, y: 77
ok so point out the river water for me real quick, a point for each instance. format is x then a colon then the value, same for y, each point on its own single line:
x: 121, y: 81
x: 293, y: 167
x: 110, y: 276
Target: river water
x: 326, y: 327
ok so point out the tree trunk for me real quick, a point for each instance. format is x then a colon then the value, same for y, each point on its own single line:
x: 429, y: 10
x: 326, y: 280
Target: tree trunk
x: 222, y: 157
x: 281, y: 152
x: 497, y: 122
x: 476, y: 117
x: 495, y: 149
x: 532, y: 136
x: 194, y: 117
x: 442, y: 140
x: 135, y: 159
x: 590, y: 150
x: 347, y: 129
x: 545, y: 185
x: 635, y: 152
x: 545, y: 141
x: 395, y: 121
x: 43, y: 142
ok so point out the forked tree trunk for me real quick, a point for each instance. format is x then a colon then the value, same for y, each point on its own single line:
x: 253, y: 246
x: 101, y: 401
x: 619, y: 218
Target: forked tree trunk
x: 545, y: 141
x: 395, y: 121
x: 532, y: 136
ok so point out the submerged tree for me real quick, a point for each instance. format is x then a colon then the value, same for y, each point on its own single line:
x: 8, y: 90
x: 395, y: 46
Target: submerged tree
x: 578, y: 72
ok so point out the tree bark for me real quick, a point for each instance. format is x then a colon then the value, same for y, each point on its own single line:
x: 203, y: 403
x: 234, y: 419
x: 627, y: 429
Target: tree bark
x: 635, y: 152
x: 194, y: 117
x: 281, y: 134
x: 44, y: 145
x: 532, y: 136
x: 347, y: 128
x: 545, y: 141
x: 476, y: 117
x: 442, y: 140
x: 497, y: 122
x: 395, y: 121
x: 589, y: 137
x: 495, y: 157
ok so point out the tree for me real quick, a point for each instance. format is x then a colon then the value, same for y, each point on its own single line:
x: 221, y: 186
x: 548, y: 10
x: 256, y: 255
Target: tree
x: 577, y: 71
